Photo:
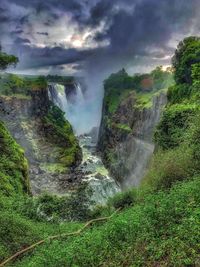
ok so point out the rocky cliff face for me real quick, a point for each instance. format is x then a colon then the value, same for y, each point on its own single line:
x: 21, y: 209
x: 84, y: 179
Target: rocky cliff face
x: 125, y: 136
x: 47, y: 138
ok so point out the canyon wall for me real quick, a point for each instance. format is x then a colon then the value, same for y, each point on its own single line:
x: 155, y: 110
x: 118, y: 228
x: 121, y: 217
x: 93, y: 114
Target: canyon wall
x: 125, y: 135
x: 50, y: 146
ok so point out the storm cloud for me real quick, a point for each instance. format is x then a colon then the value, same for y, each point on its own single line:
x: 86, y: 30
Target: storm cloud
x: 107, y: 34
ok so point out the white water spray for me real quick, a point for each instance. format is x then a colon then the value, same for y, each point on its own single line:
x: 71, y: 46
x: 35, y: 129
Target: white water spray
x: 77, y: 111
x: 79, y: 108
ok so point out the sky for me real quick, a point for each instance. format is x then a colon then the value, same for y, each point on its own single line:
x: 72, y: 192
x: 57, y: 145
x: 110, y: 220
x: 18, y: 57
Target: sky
x: 93, y: 38
x: 73, y: 36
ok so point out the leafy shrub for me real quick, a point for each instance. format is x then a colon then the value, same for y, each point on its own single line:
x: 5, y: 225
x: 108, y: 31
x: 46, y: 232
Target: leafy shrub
x: 178, y: 93
x: 54, y: 209
x: 192, y: 139
x: 123, y: 200
x: 186, y: 54
x: 161, y: 231
x: 175, y: 120
x: 168, y: 167
x: 15, y: 85
x: 196, y: 74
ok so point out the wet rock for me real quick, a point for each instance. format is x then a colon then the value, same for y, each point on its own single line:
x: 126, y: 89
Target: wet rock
x: 125, y: 144
x: 99, y: 176
x: 24, y: 117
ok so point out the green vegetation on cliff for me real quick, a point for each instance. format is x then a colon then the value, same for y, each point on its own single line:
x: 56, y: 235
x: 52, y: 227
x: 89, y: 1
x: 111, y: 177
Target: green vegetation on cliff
x: 118, y: 86
x: 15, y: 85
x: 50, y: 123
x: 128, y: 102
x: 177, y: 134
x: 13, y: 165
x: 59, y: 131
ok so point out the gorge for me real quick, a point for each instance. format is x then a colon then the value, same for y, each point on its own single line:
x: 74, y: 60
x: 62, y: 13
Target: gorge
x: 70, y: 99
x: 123, y: 143
x: 129, y: 141
x: 134, y: 181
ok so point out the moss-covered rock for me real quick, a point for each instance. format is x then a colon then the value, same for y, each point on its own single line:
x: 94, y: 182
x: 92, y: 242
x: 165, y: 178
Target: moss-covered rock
x: 13, y: 165
x: 59, y: 131
x: 45, y: 135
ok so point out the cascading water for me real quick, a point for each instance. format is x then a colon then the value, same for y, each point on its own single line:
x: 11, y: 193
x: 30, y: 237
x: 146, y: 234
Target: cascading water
x: 71, y: 106
x: 103, y: 186
x: 56, y: 94
x: 92, y: 169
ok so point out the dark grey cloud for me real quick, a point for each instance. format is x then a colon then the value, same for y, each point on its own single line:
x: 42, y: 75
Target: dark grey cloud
x: 35, y: 57
x: 132, y: 29
x: 17, y: 31
x: 22, y: 41
x: 150, y: 22
x: 43, y: 33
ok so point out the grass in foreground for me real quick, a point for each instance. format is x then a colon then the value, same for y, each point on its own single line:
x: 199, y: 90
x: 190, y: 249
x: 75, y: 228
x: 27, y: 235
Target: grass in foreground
x: 161, y: 229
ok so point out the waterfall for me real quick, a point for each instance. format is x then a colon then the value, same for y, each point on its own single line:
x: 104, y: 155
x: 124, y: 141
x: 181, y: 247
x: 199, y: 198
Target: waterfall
x: 79, y: 95
x: 71, y: 100
x: 57, y: 95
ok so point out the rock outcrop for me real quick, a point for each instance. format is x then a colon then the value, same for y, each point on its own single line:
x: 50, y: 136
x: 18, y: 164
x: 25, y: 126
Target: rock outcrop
x: 50, y: 146
x: 125, y: 136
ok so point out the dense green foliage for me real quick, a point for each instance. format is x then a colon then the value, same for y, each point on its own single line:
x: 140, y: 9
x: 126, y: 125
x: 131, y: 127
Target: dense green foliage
x: 7, y: 60
x: 13, y: 165
x: 11, y: 84
x: 123, y: 200
x: 120, y: 84
x: 183, y: 97
x: 59, y: 131
x: 75, y: 206
x: 18, y: 230
x: 175, y: 120
x: 161, y: 229
x: 186, y: 54
x: 177, y: 134
x: 196, y: 74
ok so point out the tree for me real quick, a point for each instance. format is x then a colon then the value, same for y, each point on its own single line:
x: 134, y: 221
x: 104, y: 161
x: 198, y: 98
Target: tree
x: 196, y: 74
x: 186, y: 54
x: 7, y: 60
